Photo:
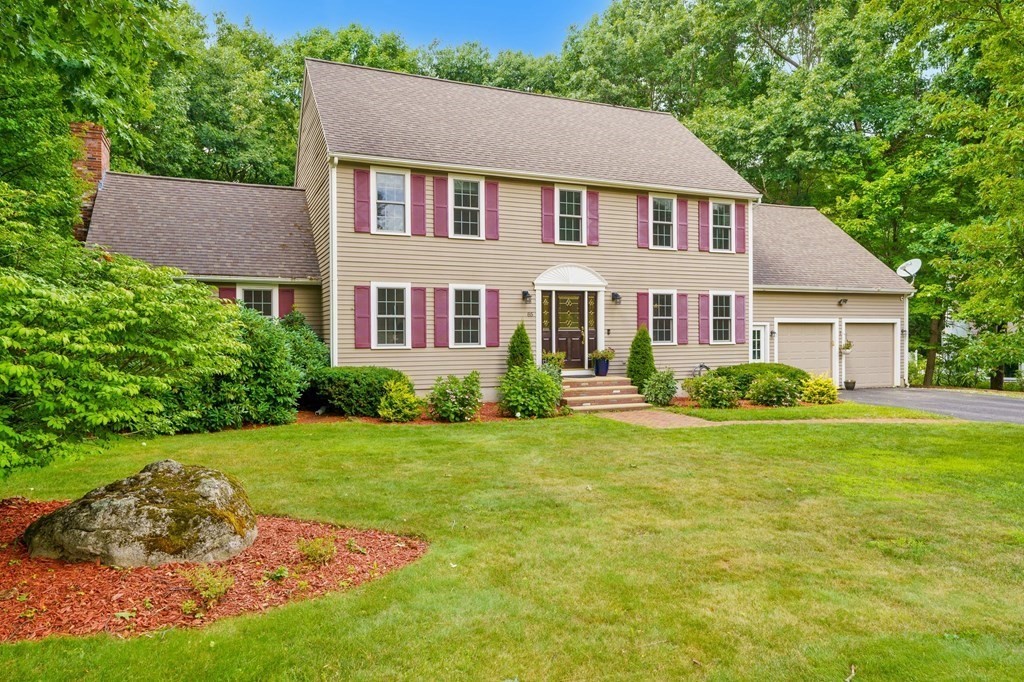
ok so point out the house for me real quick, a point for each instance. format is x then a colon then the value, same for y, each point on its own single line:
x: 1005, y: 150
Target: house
x: 430, y: 217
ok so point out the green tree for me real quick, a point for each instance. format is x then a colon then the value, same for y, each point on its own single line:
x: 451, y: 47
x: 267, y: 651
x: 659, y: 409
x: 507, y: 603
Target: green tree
x: 640, y: 364
x: 520, y: 352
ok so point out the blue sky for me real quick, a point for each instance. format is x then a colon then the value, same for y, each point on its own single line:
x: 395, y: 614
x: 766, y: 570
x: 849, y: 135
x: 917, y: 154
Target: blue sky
x: 536, y: 26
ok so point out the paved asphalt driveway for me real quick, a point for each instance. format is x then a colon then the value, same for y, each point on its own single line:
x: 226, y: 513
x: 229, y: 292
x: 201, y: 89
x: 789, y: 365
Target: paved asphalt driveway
x: 979, y: 407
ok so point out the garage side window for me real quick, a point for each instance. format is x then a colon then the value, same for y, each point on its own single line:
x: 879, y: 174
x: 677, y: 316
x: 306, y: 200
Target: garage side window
x: 260, y: 300
x: 721, y: 318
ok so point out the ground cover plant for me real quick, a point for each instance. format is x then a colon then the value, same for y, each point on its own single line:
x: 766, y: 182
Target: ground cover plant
x: 583, y: 548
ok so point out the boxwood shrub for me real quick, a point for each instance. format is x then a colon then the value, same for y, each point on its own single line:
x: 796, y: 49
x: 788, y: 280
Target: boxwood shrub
x: 354, y: 391
x: 743, y: 375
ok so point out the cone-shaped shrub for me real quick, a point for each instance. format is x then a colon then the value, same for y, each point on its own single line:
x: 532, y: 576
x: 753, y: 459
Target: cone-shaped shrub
x: 640, y: 365
x: 520, y: 353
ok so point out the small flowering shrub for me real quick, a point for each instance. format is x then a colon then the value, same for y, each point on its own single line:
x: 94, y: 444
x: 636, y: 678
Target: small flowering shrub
x: 528, y: 391
x: 773, y: 390
x: 455, y: 400
x: 820, y: 390
x: 317, y: 551
x: 712, y: 391
x: 660, y: 388
x: 399, y: 403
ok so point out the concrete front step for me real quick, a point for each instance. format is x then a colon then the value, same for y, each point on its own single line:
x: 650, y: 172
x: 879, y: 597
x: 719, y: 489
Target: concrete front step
x: 624, y: 407
x: 594, y: 382
x: 598, y: 390
x: 595, y: 394
x: 608, y: 400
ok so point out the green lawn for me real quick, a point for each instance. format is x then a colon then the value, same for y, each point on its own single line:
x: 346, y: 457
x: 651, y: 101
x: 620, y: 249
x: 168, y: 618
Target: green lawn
x: 585, y: 549
x: 841, y: 410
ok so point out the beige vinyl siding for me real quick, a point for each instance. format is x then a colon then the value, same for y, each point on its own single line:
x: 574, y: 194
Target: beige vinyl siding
x: 309, y: 302
x: 312, y: 174
x: 512, y: 263
x: 770, y: 305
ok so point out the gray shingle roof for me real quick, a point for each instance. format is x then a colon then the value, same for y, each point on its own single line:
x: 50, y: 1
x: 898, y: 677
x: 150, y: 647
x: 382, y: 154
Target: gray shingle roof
x: 796, y: 246
x: 399, y: 116
x: 205, y: 227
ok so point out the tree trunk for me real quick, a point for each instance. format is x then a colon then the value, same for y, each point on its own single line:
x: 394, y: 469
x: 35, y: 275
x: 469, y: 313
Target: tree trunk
x: 995, y: 380
x: 934, y: 339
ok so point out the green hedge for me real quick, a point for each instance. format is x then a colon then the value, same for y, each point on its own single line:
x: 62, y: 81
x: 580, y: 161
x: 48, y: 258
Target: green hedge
x: 742, y: 375
x: 354, y: 391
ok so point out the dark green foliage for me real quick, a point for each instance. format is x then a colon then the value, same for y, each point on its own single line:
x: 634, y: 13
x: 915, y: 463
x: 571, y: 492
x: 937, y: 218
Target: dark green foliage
x: 263, y: 387
x: 520, y: 353
x: 455, y: 400
x: 309, y: 354
x: 354, y: 391
x: 713, y: 391
x: 527, y: 392
x: 640, y: 365
x: 743, y: 375
x: 773, y: 390
x: 399, y: 403
x: 660, y: 388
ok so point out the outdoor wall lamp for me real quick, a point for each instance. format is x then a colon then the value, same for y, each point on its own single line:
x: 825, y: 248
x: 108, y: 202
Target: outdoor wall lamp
x: 527, y: 296
x: 616, y: 297
x: 843, y: 301
x: 772, y: 334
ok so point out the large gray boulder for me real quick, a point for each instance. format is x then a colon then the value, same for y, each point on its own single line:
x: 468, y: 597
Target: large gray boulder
x: 166, y: 513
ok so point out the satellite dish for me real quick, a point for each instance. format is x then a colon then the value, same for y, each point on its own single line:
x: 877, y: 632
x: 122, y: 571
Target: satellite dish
x: 910, y: 268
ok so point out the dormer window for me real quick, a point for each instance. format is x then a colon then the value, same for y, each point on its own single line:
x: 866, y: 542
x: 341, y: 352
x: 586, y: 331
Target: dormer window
x: 390, y: 192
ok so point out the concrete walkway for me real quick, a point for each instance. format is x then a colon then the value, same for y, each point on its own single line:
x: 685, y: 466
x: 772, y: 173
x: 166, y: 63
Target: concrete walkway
x: 663, y: 419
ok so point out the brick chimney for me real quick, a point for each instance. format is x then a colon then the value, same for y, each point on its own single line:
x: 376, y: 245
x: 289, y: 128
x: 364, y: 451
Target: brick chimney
x: 91, y: 167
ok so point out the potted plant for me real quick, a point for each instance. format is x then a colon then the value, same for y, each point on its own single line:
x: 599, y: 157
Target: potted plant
x: 850, y: 384
x: 601, y: 359
x: 846, y: 347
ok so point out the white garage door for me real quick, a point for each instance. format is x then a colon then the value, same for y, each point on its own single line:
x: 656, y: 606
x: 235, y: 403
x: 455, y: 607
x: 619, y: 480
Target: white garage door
x: 807, y: 346
x: 872, y: 360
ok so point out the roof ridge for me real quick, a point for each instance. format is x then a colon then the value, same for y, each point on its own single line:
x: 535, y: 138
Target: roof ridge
x: 491, y: 87
x: 809, y: 208
x: 203, y: 180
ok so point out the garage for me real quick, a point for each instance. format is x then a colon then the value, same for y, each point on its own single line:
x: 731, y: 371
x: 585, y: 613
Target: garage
x: 872, y: 361
x: 807, y: 345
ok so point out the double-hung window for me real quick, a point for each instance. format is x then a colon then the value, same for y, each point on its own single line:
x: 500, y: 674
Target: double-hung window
x: 390, y: 193
x: 663, y: 222
x: 663, y: 317
x: 721, y: 226
x: 722, y: 317
x: 391, y: 315
x: 260, y: 300
x: 571, y: 205
x: 467, y: 202
x: 467, y: 319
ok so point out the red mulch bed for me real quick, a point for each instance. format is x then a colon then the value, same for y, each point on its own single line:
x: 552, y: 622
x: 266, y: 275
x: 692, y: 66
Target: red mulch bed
x: 43, y: 597
x: 489, y: 412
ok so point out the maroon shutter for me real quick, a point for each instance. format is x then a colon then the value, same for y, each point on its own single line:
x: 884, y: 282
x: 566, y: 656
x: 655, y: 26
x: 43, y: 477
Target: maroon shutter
x: 441, y: 207
x: 682, y: 319
x: 419, y: 205
x: 741, y: 319
x: 642, y: 210
x: 285, y: 301
x: 682, y: 224
x: 361, y: 187
x: 547, y: 215
x: 704, y: 318
x: 704, y: 225
x: 593, y: 218
x: 362, y: 317
x: 419, y: 317
x: 491, y: 201
x: 493, y: 318
x: 642, y: 309
x: 441, y: 317
x: 227, y: 293
x: 741, y: 227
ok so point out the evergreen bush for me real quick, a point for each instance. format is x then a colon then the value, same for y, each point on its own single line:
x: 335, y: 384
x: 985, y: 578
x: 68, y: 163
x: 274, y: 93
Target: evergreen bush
x: 711, y: 391
x: 743, y: 375
x: 773, y: 390
x: 355, y: 391
x: 640, y: 365
x: 399, y: 403
x: 820, y: 390
x: 520, y: 352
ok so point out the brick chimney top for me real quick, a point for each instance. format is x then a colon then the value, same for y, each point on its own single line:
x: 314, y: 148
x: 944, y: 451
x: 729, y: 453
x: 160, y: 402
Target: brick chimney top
x: 91, y: 167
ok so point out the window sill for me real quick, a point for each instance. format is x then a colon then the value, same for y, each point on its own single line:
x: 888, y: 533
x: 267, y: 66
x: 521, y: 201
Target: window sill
x: 723, y: 250
x: 561, y: 243
x: 478, y: 238
x: 664, y: 343
x: 406, y: 347
x: 662, y: 248
x: 723, y: 343
x: 392, y: 234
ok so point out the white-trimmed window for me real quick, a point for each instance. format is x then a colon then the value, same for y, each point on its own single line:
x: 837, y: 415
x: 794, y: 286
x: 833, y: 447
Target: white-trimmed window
x: 663, y: 317
x: 390, y: 317
x: 662, y: 222
x: 466, y: 201
x: 389, y: 190
x: 758, y: 349
x: 722, y: 316
x: 721, y: 226
x: 571, y: 209
x: 262, y: 299
x: 467, y: 315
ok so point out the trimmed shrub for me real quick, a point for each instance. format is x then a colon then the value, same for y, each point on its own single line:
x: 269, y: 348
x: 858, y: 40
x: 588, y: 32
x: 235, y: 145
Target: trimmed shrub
x: 773, y: 390
x: 455, y: 400
x: 520, y: 352
x: 640, y: 364
x: 820, y: 390
x: 399, y: 403
x: 309, y: 353
x: 660, y: 388
x: 743, y: 375
x: 529, y: 392
x: 355, y: 391
x: 712, y: 391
